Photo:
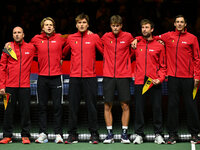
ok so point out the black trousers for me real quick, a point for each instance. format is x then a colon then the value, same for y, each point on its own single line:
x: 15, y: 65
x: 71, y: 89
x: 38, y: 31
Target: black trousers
x: 89, y: 88
x: 22, y: 96
x: 155, y: 94
x: 50, y: 86
x: 181, y: 87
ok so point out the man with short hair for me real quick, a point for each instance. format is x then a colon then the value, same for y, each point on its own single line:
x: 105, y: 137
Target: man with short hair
x: 15, y: 80
x: 117, y: 76
x: 49, y: 46
x: 150, y: 64
x: 83, y: 77
x: 183, y: 62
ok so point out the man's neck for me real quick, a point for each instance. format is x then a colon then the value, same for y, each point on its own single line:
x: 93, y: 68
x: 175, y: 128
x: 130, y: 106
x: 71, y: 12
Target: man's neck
x: 49, y: 34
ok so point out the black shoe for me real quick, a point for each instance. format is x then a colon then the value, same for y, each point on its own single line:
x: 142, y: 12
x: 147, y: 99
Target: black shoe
x: 72, y: 138
x: 172, y: 139
x: 94, y: 139
x: 195, y: 139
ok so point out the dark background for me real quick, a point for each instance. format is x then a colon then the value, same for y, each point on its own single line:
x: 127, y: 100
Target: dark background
x: 29, y: 13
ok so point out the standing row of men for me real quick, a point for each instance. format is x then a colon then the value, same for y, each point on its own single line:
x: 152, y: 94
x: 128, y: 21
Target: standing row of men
x: 180, y: 61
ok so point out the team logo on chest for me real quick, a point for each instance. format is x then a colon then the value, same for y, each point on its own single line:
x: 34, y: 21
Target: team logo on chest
x: 76, y: 42
x: 42, y: 41
x: 172, y: 41
x: 140, y: 50
x: 110, y: 42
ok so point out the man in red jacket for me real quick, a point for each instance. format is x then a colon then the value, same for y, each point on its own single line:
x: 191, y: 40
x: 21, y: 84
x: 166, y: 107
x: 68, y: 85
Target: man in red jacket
x: 117, y: 75
x: 15, y: 79
x: 49, y: 47
x: 83, y: 77
x: 150, y: 63
x: 183, y: 62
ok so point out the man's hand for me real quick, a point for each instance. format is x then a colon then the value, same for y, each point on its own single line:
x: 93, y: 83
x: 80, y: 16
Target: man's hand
x: 2, y: 91
x: 61, y: 62
x: 161, y: 42
x: 134, y: 44
x: 7, y: 45
x: 89, y: 32
x: 156, y: 81
x: 196, y: 82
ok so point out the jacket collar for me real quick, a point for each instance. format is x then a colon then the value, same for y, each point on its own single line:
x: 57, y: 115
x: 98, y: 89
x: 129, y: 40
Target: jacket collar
x: 120, y: 33
x: 45, y: 35
x: 18, y: 44
x: 178, y: 32
x: 144, y: 40
x: 82, y: 33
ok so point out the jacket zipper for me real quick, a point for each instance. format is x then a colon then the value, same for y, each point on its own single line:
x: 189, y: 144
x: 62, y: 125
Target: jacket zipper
x: 20, y: 65
x: 48, y: 57
x: 177, y: 52
x: 115, y: 56
x: 81, y: 55
x: 146, y: 58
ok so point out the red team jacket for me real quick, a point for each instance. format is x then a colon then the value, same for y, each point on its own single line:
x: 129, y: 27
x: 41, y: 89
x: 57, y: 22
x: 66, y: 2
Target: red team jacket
x: 83, y: 53
x: 150, y: 61
x: 182, y: 51
x: 16, y: 73
x: 117, y: 62
x: 49, y: 52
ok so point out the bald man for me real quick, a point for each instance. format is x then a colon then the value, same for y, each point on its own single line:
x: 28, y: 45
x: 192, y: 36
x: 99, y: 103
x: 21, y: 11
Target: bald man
x: 15, y: 80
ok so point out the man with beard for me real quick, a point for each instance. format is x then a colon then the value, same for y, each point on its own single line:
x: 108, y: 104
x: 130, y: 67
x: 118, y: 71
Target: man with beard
x: 150, y: 64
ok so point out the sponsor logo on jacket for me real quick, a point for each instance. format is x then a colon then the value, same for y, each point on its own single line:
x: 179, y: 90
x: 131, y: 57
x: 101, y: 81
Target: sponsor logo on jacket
x: 53, y: 41
x: 87, y: 42
x: 184, y: 42
x: 151, y: 50
x: 27, y: 53
x: 122, y: 42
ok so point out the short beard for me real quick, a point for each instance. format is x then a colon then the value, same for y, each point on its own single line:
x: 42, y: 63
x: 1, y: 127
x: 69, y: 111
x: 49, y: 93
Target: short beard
x: 147, y: 36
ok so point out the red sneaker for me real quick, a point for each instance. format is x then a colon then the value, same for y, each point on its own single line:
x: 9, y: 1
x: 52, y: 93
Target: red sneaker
x: 25, y: 140
x: 6, y: 140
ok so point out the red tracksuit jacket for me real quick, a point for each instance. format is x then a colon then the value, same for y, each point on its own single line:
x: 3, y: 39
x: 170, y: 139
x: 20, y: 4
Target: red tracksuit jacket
x: 83, y: 53
x: 182, y: 51
x: 117, y: 62
x: 150, y: 61
x: 49, y: 53
x: 16, y: 73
